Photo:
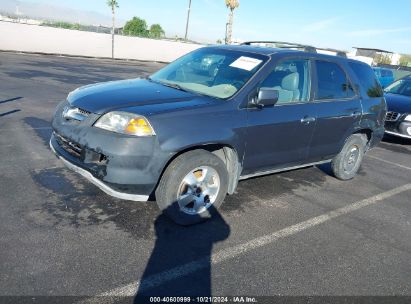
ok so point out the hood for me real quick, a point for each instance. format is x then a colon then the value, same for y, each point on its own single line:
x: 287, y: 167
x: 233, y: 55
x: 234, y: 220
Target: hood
x: 398, y: 103
x: 115, y: 95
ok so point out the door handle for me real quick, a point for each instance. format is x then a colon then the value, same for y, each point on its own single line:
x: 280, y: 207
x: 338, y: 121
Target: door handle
x: 307, y: 120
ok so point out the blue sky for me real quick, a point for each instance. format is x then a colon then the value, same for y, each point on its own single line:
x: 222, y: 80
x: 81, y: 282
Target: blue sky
x: 336, y: 24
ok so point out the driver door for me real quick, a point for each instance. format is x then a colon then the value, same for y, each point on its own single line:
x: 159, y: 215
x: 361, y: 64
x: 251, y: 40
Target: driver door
x: 279, y: 136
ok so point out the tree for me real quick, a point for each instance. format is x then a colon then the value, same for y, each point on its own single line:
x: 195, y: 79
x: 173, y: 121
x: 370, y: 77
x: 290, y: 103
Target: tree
x: 136, y: 27
x: 156, y: 31
x: 231, y: 5
x: 113, y: 4
x: 405, y: 60
x: 382, y: 59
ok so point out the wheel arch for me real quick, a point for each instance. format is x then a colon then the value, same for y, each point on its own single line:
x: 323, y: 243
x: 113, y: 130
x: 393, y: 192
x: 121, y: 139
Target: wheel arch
x: 366, y: 131
x: 225, y: 152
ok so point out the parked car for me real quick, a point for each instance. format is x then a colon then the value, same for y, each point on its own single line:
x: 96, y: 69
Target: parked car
x: 398, y: 118
x: 385, y: 76
x: 187, y: 134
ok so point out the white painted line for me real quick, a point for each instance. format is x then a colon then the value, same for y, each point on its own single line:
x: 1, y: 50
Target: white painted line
x: 389, y: 162
x: 232, y: 252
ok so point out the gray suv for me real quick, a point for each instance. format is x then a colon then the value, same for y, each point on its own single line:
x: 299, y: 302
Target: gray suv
x: 187, y: 134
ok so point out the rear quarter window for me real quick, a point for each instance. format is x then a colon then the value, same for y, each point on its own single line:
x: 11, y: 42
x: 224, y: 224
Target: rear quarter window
x: 367, y: 79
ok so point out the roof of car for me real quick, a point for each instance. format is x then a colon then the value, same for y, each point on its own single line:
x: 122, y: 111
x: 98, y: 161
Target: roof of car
x: 250, y: 48
x: 268, y: 51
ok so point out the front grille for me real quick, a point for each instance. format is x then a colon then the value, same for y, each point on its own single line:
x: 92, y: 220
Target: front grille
x: 72, y: 148
x: 392, y: 116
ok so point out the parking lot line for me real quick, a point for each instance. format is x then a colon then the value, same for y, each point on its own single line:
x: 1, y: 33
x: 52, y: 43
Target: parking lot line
x: 232, y: 252
x: 389, y: 162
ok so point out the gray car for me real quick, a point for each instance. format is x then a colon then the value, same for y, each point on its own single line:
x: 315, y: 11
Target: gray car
x: 187, y: 134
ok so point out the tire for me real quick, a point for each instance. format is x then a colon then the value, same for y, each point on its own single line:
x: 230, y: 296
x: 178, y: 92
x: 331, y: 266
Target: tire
x: 188, y: 191
x: 346, y: 164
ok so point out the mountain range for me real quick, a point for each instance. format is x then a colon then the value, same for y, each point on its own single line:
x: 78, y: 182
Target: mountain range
x: 55, y: 12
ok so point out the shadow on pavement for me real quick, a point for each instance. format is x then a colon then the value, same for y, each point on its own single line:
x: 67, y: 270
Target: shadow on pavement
x: 180, y: 263
x: 41, y: 127
x: 396, y: 140
x: 11, y: 99
x: 9, y: 112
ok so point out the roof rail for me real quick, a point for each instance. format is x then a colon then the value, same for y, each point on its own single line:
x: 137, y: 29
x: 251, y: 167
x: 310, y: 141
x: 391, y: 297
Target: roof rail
x: 337, y: 52
x: 291, y: 45
x: 285, y: 45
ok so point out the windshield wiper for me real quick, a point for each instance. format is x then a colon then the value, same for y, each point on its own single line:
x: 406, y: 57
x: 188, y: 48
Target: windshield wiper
x: 173, y: 85
x: 168, y: 84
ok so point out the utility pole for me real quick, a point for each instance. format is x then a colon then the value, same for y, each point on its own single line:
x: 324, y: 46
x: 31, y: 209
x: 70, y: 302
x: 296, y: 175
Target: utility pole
x: 113, y: 33
x: 188, y: 19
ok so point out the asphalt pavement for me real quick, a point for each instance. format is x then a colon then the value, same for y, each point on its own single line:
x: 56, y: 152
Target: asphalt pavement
x: 300, y: 232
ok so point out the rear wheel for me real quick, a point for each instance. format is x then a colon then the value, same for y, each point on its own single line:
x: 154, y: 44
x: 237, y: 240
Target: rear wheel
x: 346, y: 164
x: 192, y: 187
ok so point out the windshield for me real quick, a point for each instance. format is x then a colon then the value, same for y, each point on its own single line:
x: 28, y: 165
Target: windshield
x: 210, y: 71
x: 401, y: 87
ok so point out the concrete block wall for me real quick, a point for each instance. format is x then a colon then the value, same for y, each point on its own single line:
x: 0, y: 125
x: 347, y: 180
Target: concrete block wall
x: 41, y: 39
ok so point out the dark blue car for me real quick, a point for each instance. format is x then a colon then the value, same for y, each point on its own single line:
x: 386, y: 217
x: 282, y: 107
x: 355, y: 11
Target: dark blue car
x: 384, y: 76
x: 398, y: 119
x: 187, y: 134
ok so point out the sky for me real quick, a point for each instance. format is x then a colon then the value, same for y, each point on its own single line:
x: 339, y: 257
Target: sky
x: 339, y: 24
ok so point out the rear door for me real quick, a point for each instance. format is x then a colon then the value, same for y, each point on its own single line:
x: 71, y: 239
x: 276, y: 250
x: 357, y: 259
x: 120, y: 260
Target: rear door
x: 338, y: 108
x: 279, y: 136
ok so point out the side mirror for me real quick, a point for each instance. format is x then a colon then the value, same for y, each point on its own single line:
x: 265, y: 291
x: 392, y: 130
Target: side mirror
x: 266, y: 97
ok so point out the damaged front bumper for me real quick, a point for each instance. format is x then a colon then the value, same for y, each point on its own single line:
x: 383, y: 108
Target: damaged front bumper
x: 126, y: 167
x: 103, y: 186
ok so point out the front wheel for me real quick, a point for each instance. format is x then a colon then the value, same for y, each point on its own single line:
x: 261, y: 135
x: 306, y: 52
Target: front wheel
x: 192, y: 187
x: 346, y: 164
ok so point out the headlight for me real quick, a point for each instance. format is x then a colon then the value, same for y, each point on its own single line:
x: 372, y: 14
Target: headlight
x: 125, y: 123
x: 408, y: 117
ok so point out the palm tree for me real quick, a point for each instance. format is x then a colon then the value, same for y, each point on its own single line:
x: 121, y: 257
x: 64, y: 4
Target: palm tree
x: 232, y: 5
x: 113, y: 4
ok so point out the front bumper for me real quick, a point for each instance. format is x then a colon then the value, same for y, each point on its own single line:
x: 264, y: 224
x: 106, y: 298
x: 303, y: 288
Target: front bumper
x: 399, y: 128
x: 103, y: 186
x: 126, y: 167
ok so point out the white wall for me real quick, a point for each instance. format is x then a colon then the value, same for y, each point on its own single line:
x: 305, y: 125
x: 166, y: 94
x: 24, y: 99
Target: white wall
x: 21, y: 20
x: 41, y: 39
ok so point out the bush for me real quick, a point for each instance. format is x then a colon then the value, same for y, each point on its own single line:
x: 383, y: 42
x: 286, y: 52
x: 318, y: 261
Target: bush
x: 62, y: 24
x: 156, y: 31
x: 136, y: 27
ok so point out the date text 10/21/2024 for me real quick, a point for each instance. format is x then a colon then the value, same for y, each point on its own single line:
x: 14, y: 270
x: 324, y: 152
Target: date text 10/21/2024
x: 239, y: 299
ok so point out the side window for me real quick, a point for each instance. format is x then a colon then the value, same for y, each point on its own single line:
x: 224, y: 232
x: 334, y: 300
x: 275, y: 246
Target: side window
x: 292, y: 80
x: 367, y: 79
x: 332, y: 81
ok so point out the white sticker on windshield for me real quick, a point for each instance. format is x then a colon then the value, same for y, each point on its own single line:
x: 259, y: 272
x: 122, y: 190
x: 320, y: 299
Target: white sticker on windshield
x: 245, y: 63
